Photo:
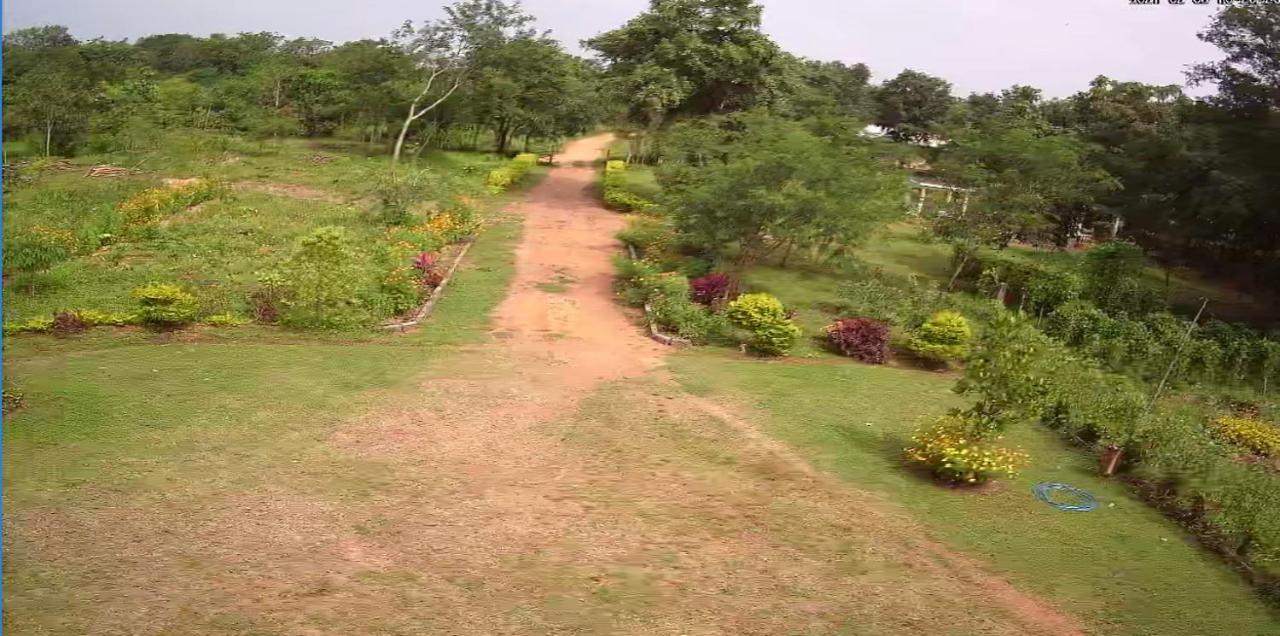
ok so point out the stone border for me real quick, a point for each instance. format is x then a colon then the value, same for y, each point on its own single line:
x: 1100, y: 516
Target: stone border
x: 654, y: 333
x: 427, y: 307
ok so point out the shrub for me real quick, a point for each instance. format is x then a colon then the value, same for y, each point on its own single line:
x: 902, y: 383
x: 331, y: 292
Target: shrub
x: 711, y: 287
x: 771, y: 332
x: 502, y: 178
x: 67, y: 322
x: 1046, y: 290
x: 1002, y: 372
x: 321, y: 282
x: 153, y: 204
x: 401, y: 289
x: 39, y: 324
x: 944, y: 337
x: 616, y: 195
x: 37, y: 249
x: 865, y: 339
x: 950, y: 450
x: 1112, y: 279
x: 653, y: 238
x: 1257, y: 436
x: 163, y: 305
x: 226, y: 319
x: 94, y: 318
x: 618, y: 198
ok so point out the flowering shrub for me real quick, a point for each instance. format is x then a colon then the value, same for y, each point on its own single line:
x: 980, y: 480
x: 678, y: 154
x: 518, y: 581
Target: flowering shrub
x: 707, y: 289
x: 429, y: 274
x: 153, y: 204
x: 945, y: 336
x: 1257, y: 436
x: 950, y: 450
x: 864, y: 339
x: 163, y: 305
x: 772, y: 333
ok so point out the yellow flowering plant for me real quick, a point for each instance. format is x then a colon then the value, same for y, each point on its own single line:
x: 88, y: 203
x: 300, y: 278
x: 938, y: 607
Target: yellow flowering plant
x: 955, y: 453
x: 1255, y: 435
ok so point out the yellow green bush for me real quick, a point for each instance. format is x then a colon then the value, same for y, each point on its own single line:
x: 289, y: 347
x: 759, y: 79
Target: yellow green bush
x: 616, y: 196
x: 502, y: 178
x: 956, y: 454
x: 945, y: 336
x: 164, y: 305
x: 771, y: 332
x: 1257, y: 436
x: 153, y: 204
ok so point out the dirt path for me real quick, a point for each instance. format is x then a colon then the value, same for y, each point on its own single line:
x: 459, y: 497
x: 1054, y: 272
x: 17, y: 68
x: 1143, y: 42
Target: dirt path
x: 552, y: 481
x: 585, y: 463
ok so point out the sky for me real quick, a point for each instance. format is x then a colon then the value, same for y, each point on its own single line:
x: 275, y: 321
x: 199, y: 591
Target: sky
x: 978, y: 45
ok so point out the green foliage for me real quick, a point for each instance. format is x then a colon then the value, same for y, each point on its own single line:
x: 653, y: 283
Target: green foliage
x: 1001, y: 371
x: 226, y: 319
x: 1112, y: 276
x: 164, y: 305
x: 666, y: 294
x: 652, y: 237
x: 322, y: 280
x: 1048, y: 289
x: 37, y: 249
x: 741, y: 184
x: 616, y: 195
x: 944, y: 337
x: 502, y: 178
x: 154, y: 204
x: 912, y: 104
x: 771, y: 332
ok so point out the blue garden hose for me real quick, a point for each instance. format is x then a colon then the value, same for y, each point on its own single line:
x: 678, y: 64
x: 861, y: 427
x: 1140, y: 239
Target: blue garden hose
x: 1085, y: 501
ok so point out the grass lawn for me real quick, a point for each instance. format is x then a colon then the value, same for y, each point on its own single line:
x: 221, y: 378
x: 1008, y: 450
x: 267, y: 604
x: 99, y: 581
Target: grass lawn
x: 1122, y: 569
x: 640, y: 181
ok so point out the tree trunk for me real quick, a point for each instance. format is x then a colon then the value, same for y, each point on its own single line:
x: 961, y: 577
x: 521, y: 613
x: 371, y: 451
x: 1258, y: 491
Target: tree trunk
x: 48, y: 137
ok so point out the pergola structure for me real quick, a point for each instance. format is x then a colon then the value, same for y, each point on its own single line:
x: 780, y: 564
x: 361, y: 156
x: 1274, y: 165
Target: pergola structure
x: 921, y: 189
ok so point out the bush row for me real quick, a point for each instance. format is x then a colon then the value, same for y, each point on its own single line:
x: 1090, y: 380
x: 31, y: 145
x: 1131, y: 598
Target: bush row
x: 154, y: 204
x: 502, y: 178
x: 616, y: 195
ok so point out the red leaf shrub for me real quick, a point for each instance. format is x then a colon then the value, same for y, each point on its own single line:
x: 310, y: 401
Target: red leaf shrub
x: 706, y: 289
x: 426, y: 261
x: 865, y: 339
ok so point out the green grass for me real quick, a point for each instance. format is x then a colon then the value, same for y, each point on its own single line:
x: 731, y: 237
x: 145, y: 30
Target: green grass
x: 640, y: 181
x: 1122, y: 569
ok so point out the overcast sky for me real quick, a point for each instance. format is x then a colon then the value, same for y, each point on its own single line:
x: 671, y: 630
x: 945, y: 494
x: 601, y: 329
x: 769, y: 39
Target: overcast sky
x: 979, y: 45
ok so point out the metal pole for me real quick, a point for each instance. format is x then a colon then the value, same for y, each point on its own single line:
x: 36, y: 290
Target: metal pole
x: 1185, y: 337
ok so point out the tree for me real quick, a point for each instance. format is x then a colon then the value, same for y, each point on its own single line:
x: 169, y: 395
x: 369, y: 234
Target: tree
x: 911, y: 105
x: 447, y: 49
x: 1026, y: 181
x: 754, y: 182
x: 1248, y: 78
x: 48, y: 99
x: 693, y: 57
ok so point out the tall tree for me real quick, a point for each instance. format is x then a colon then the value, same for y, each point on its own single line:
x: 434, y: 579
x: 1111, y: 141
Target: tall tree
x: 446, y: 50
x: 750, y: 182
x: 694, y: 57
x: 911, y: 105
x: 1248, y: 78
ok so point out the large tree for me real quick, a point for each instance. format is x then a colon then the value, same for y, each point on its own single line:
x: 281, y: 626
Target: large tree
x: 911, y: 105
x: 694, y: 57
x: 1248, y: 78
x: 750, y: 182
